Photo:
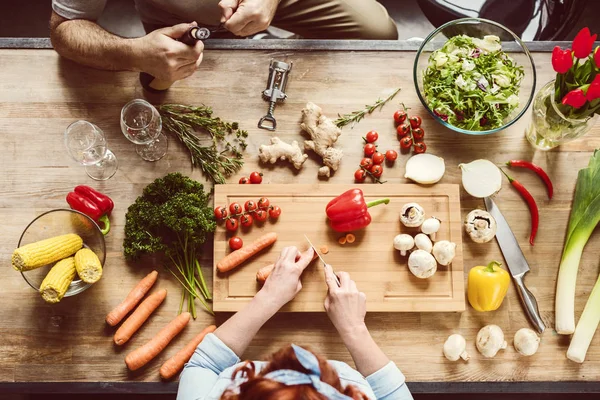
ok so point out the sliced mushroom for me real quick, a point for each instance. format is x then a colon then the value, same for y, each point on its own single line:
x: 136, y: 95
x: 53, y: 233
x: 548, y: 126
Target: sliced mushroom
x: 404, y: 243
x: 422, y: 264
x: 412, y: 215
x: 423, y: 242
x: 430, y: 227
x: 480, y: 226
x: 444, y: 252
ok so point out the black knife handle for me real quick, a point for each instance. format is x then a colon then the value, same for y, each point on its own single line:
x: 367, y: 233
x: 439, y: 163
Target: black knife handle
x: 529, y: 304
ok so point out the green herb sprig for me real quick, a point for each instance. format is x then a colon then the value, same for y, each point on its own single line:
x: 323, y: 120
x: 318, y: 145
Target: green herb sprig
x: 357, y: 116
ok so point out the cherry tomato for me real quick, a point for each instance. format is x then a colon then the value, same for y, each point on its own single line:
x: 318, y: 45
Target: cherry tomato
x: 378, y: 158
x: 403, y: 130
x: 260, y: 215
x: 366, y: 163
x: 263, y: 202
x: 370, y: 149
x: 256, y: 177
x: 377, y: 170
x: 420, y: 148
x: 372, y: 137
x: 246, y: 220
x: 360, y: 175
x: 418, y: 134
x: 406, y: 143
x: 274, y: 212
x: 391, y: 155
x: 220, y: 213
x: 236, y: 243
x: 232, y: 224
x: 415, y: 122
x: 244, y: 180
x: 235, y: 208
x: 399, y: 116
x: 250, y: 206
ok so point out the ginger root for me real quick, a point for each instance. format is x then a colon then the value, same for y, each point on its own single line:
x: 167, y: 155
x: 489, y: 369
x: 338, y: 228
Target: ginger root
x: 280, y: 150
x: 323, y: 133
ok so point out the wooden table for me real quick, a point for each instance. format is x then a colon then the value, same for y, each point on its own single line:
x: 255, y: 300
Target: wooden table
x: 40, y: 94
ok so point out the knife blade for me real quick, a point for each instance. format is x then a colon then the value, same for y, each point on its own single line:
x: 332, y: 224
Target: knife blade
x: 337, y: 280
x: 516, y: 263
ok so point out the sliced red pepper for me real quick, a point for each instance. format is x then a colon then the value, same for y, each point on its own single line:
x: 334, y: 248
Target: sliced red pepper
x: 349, y: 211
x: 104, y: 203
x: 533, y: 208
x: 83, y: 204
x: 538, y: 170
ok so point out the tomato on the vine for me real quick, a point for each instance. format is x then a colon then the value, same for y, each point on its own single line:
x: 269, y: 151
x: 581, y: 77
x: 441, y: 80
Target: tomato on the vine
x: 366, y: 163
x: 403, y: 130
x: 372, y: 137
x: 391, y: 155
x: 236, y: 243
x: 415, y: 121
x: 406, y: 143
x: 260, y: 215
x: 256, y: 177
x: 246, y: 220
x: 370, y: 149
x: 275, y: 212
x: 232, y: 224
x: 418, y: 134
x: 263, y: 202
x: 250, y: 206
x: 244, y: 180
x: 235, y: 208
x: 420, y: 148
x: 399, y: 116
x: 220, y: 213
x: 377, y: 170
x: 378, y: 158
x: 360, y: 175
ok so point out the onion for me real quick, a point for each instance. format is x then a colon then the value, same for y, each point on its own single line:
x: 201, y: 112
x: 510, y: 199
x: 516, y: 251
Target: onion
x: 425, y: 168
x: 481, y: 178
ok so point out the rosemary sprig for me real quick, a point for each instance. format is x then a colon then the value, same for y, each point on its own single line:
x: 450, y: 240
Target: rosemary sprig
x: 223, y: 156
x: 356, y: 116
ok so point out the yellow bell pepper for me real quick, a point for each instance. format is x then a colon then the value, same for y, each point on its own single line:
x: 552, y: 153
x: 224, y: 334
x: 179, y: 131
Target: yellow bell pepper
x: 487, y: 286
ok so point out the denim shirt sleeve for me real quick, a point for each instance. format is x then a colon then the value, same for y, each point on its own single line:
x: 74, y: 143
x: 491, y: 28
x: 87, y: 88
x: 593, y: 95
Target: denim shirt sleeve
x: 389, y: 383
x: 200, y: 374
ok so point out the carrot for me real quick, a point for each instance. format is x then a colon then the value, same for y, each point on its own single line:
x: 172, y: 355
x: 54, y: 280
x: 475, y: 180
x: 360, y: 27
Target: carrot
x: 263, y: 273
x: 342, y: 240
x: 324, y: 249
x: 174, y: 364
x: 134, y: 297
x: 237, y: 257
x: 139, y: 316
x: 142, y: 355
x: 350, y: 238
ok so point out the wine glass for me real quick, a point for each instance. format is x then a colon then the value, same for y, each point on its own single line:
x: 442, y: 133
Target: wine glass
x: 141, y: 124
x: 86, y: 144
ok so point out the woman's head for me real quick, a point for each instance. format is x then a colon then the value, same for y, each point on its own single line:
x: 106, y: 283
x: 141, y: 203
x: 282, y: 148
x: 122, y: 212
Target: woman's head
x: 265, y: 386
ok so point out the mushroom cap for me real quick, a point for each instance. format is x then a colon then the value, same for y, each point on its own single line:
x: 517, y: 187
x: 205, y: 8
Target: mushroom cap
x: 422, y: 264
x: 526, y: 342
x: 480, y: 226
x: 444, y: 252
x: 423, y: 242
x: 490, y: 339
x: 454, y: 347
x: 430, y: 225
x: 412, y: 215
x: 403, y: 242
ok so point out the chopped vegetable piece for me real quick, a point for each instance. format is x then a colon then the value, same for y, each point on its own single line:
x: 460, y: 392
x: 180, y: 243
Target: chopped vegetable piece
x: 426, y: 169
x: 481, y: 178
x: 324, y: 249
x: 350, y: 238
x: 342, y: 240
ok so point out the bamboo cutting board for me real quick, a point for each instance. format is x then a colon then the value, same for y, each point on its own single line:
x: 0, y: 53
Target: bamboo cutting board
x: 378, y: 269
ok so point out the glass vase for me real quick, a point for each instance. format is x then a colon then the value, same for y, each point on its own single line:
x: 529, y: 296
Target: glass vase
x: 549, y: 127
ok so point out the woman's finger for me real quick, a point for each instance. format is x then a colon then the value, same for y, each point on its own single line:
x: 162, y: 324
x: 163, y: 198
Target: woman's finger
x: 353, y: 286
x: 330, y: 278
x: 289, y: 254
x: 305, y: 258
x: 344, y: 280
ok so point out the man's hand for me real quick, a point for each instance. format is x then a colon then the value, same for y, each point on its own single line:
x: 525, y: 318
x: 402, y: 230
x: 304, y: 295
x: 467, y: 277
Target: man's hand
x: 162, y: 56
x: 345, y: 305
x: 246, y: 17
x: 284, y: 282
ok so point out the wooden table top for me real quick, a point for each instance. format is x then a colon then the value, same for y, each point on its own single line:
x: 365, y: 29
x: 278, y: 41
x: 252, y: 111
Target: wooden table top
x: 40, y: 94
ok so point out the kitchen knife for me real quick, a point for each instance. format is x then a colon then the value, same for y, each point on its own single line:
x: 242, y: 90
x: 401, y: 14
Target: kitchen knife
x: 516, y: 263
x: 337, y: 280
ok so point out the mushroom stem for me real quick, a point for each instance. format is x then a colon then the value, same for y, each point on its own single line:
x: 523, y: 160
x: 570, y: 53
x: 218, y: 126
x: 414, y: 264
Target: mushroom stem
x: 432, y: 236
x: 402, y: 252
x: 464, y: 355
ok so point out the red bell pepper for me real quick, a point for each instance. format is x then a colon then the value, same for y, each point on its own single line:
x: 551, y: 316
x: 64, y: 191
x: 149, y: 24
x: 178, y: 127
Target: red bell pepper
x: 95, y: 205
x: 349, y: 212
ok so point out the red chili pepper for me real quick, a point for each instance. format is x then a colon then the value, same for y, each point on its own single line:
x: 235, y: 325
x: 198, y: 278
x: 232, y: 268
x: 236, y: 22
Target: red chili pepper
x: 87, y: 206
x: 103, y: 202
x: 349, y: 211
x: 538, y: 170
x: 533, y: 208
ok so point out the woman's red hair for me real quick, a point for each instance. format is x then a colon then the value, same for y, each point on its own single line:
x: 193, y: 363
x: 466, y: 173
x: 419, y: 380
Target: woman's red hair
x: 257, y: 387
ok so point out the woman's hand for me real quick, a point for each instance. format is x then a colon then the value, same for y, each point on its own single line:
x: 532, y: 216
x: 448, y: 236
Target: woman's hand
x: 284, y: 282
x: 345, y: 305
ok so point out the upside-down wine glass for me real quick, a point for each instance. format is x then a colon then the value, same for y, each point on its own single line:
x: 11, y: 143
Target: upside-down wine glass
x: 141, y: 124
x: 86, y: 144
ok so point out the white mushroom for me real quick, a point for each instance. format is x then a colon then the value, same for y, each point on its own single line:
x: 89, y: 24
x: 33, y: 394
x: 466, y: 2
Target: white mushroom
x: 444, y: 252
x: 480, y: 226
x: 430, y: 227
x: 404, y: 243
x: 422, y: 264
x: 412, y: 215
x: 455, y: 348
x: 490, y: 340
x: 526, y: 342
x: 423, y: 242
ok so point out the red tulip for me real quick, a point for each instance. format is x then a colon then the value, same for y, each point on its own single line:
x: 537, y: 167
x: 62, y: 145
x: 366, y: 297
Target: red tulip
x: 597, y: 57
x: 593, y: 91
x: 562, y: 60
x: 583, y: 42
x: 575, y: 98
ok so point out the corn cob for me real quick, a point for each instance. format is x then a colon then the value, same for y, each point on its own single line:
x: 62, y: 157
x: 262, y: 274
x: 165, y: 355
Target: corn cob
x: 44, y: 252
x: 88, y: 266
x: 55, y: 284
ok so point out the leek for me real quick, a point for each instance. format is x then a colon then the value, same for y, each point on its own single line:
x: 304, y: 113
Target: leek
x: 585, y: 215
x: 586, y: 327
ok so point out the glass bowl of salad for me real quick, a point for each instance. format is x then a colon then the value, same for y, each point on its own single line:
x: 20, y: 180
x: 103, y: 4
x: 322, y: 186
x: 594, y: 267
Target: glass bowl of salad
x: 474, y: 76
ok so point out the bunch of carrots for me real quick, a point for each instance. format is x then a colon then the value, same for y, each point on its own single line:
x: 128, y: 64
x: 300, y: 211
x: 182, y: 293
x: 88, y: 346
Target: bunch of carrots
x: 142, y: 355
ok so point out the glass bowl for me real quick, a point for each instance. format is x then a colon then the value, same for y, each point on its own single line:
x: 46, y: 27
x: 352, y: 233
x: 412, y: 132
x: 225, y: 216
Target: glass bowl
x: 478, y: 28
x: 61, y: 222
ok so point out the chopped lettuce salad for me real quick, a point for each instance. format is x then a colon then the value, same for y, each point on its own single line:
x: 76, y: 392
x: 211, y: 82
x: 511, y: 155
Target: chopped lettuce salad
x: 471, y: 83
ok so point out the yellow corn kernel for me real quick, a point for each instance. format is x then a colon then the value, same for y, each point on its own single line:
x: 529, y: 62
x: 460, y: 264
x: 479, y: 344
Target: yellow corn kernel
x: 44, y: 252
x: 88, y: 266
x: 55, y: 284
